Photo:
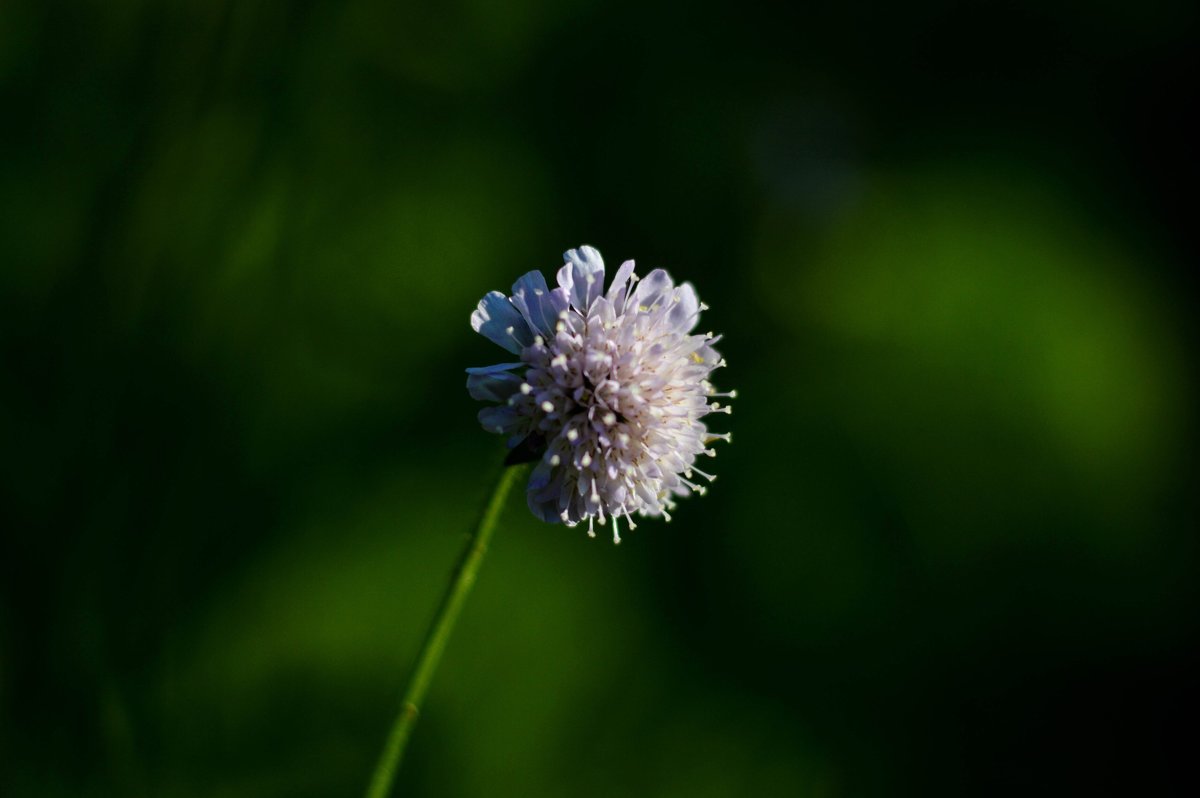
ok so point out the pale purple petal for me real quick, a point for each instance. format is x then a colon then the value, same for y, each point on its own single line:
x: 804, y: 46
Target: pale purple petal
x: 587, y: 276
x: 495, y: 368
x: 653, y: 288
x: 539, y: 306
x: 566, y: 282
x: 494, y: 383
x: 620, y: 285
x: 544, y: 492
x: 497, y: 320
x: 501, y: 419
x: 685, y: 313
x: 544, y: 509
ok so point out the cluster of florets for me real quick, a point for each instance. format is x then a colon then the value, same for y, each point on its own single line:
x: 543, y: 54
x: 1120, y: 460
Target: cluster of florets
x: 609, y: 392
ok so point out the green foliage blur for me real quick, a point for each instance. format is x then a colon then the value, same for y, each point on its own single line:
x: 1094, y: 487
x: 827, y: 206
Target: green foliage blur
x: 951, y: 550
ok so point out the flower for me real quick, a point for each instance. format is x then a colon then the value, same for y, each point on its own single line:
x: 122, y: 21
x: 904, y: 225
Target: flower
x: 609, y: 392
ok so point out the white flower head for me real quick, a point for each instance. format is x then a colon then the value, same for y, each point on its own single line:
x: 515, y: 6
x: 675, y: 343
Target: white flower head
x: 610, y: 391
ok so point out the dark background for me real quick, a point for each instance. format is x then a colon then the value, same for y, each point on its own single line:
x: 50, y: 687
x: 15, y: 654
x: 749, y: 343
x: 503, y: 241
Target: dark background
x: 951, y: 550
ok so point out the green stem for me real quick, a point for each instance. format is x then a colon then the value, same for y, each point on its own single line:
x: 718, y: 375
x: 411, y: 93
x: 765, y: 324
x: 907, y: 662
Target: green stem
x: 439, y: 633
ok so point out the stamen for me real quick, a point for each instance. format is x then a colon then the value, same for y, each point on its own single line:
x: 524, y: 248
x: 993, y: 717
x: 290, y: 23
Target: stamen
x: 548, y: 406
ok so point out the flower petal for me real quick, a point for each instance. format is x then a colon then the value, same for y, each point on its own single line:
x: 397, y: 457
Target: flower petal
x: 656, y: 285
x: 496, y: 319
x: 684, y: 314
x: 620, y: 285
x: 538, y: 304
x: 502, y: 420
x: 495, y: 368
x: 544, y: 492
x: 587, y: 276
x: 493, y: 383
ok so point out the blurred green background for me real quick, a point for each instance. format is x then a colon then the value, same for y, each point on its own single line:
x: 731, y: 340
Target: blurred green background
x: 951, y: 551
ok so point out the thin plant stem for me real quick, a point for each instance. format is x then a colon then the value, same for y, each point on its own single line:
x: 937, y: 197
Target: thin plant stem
x: 435, y: 640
